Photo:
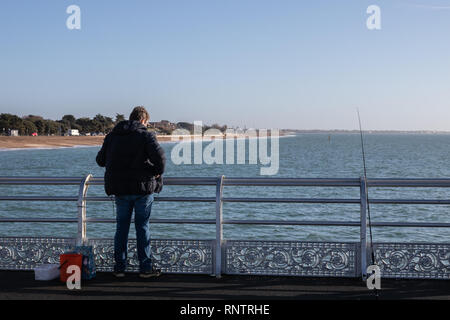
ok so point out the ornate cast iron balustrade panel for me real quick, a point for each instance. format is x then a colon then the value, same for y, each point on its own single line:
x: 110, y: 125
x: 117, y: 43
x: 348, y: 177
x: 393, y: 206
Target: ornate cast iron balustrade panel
x: 292, y: 258
x: 243, y: 257
x: 171, y: 256
x: 408, y: 260
x: 26, y: 253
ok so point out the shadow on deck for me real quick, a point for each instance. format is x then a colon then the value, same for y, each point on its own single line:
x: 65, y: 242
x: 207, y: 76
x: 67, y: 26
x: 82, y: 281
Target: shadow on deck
x: 21, y: 285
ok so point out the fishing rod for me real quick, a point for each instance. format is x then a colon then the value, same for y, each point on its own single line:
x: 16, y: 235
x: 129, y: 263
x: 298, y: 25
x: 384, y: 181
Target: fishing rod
x: 367, y: 196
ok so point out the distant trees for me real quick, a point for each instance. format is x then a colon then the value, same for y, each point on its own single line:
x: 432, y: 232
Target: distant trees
x: 68, y: 118
x: 30, y: 124
x: 67, y: 122
x: 190, y: 127
x: 29, y: 127
x: 166, y: 127
x: 119, y: 117
x: 186, y: 126
x: 11, y: 122
x: 25, y: 126
x: 86, y: 125
x: 103, y: 124
x: 215, y: 126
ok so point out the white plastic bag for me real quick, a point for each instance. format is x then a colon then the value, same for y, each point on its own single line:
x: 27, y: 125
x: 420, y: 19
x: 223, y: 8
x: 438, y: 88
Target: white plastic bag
x: 46, y: 272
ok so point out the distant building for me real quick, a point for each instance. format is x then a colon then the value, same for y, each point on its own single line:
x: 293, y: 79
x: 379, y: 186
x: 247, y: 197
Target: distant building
x: 73, y: 132
x: 162, y: 127
x: 14, y: 133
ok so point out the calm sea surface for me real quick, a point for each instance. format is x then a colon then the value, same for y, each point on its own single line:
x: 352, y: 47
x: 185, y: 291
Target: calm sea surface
x: 308, y: 155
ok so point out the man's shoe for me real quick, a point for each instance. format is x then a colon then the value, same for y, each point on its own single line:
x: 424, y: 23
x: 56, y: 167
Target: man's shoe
x: 150, y: 274
x: 119, y: 274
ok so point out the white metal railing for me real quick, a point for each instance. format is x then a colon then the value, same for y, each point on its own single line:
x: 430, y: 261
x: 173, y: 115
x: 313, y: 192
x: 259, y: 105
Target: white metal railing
x: 220, y: 182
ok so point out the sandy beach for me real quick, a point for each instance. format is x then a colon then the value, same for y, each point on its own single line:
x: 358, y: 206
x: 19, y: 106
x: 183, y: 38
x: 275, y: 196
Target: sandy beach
x: 54, y: 141
x: 24, y: 142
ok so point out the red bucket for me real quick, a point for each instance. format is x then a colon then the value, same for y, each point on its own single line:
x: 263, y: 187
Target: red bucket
x: 66, y: 260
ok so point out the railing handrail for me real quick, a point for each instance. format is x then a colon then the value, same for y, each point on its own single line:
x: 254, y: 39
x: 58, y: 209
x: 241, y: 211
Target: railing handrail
x: 233, y: 181
x: 254, y: 181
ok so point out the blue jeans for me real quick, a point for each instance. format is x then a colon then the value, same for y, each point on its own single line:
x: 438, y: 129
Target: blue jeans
x: 142, y: 205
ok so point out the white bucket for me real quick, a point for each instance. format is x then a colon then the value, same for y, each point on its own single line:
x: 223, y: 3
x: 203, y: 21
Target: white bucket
x: 46, y: 272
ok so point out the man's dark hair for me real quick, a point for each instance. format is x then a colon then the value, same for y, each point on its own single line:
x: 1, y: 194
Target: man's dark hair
x: 138, y: 114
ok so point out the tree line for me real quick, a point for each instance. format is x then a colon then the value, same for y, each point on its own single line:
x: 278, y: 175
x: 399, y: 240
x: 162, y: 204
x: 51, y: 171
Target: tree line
x: 100, y: 124
x: 30, y: 124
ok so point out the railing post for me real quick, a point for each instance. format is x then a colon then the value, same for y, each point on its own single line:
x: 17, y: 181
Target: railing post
x: 81, y: 204
x: 219, y: 227
x: 363, y: 228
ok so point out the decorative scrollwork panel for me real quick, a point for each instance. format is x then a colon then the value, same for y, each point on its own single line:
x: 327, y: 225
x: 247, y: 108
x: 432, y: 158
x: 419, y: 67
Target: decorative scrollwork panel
x: 26, y: 253
x: 408, y: 260
x: 171, y: 256
x: 291, y: 258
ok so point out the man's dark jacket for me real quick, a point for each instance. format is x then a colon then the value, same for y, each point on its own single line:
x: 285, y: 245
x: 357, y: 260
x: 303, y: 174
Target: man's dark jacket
x: 132, y: 157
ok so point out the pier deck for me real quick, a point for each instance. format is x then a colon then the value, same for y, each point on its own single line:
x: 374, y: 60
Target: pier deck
x: 21, y: 285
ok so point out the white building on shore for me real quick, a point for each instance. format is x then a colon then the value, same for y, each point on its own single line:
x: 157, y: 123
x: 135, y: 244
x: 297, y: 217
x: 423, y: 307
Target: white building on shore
x: 73, y: 132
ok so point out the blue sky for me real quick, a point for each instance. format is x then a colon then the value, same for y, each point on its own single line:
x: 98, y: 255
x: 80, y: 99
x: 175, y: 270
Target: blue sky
x: 273, y: 64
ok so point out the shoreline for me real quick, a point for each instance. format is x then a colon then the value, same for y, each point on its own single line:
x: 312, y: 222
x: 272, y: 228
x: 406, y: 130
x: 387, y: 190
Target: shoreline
x: 55, y: 142
x: 47, y: 142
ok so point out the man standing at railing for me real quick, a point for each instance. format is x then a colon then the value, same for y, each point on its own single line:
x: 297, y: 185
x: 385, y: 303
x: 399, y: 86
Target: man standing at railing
x: 134, y: 163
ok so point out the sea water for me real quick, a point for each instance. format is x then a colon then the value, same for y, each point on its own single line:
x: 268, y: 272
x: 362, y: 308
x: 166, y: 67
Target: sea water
x: 301, y: 156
